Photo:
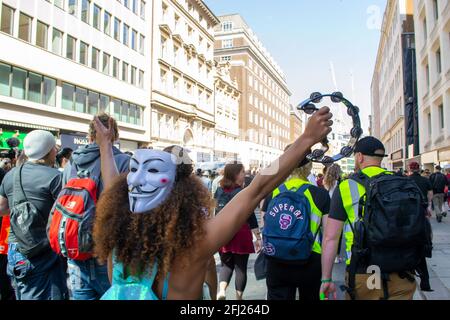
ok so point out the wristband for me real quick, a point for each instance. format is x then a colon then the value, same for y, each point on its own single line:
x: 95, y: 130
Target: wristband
x: 326, y: 280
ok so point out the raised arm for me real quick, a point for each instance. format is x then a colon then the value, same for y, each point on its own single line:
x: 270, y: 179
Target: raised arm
x: 221, y: 229
x: 103, y: 138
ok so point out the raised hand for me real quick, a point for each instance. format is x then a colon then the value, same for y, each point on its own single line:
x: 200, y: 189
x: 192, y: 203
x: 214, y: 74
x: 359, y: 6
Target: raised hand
x: 319, y: 125
x: 103, y: 136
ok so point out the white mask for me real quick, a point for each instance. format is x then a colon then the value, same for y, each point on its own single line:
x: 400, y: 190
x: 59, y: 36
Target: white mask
x: 151, y: 179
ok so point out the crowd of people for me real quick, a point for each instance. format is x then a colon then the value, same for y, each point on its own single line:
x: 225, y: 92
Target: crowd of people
x: 140, y: 218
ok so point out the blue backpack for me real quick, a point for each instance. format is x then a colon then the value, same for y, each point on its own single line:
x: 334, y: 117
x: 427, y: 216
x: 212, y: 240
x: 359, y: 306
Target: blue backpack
x: 287, y: 226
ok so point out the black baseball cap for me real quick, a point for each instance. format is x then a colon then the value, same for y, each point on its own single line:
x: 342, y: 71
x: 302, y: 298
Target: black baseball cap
x: 369, y: 146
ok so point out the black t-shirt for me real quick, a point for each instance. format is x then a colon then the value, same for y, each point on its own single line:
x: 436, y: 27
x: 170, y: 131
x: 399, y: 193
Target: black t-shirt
x: 438, y: 180
x: 320, y: 196
x: 423, y: 183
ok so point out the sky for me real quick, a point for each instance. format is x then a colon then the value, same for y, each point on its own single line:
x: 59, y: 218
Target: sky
x: 306, y: 37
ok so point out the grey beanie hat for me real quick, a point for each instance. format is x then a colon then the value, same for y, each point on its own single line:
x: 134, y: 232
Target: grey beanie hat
x: 38, y: 143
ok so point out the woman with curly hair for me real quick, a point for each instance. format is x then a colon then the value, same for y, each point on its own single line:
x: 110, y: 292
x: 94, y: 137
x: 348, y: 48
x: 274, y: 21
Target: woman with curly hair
x: 153, y: 228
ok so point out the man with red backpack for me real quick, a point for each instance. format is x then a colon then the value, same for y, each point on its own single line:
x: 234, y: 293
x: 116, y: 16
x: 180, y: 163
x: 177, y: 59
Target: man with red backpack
x: 88, y: 279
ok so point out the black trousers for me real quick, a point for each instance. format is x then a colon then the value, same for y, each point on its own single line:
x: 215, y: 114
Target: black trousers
x: 6, y: 290
x: 283, y: 280
x: 234, y: 262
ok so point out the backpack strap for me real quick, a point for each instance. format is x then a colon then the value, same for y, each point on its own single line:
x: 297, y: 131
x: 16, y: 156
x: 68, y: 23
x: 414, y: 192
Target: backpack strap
x: 19, y: 193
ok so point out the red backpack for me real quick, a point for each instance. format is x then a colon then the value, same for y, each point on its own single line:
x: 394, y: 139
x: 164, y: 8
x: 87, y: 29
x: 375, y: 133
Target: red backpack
x: 72, y: 215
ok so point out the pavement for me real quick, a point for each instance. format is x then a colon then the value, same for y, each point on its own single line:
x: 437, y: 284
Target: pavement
x: 438, y: 265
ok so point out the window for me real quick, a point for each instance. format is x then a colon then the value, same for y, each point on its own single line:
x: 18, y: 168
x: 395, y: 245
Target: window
x: 107, y: 23
x: 141, y: 44
x: 116, y: 68
x: 5, y: 72
x: 132, y: 113
x: 142, y: 9
x: 126, y: 3
x: 80, y: 100
x: 19, y: 82
x: 176, y: 85
x: 225, y: 58
x: 163, y: 77
x: 85, y: 6
x: 93, y: 100
x: 163, y: 47
x: 116, y: 108
x: 126, y: 30
x: 429, y: 124
x: 42, y: 35
x: 25, y: 27
x: 141, y: 79
x: 436, y: 9
x: 7, y: 20
x: 59, y: 4
x: 227, y: 26
x: 106, y: 59
x: 95, y: 58
x: 73, y: 5
x: 70, y: 49
x: 104, y: 103
x: 49, y: 92
x: 227, y: 43
x: 438, y: 61
x: 133, y: 75
x: 34, y: 87
x: 124, y: 71
x: 134, y: 39
x: 84, y: 53
x: 117, y: 29
x: 138, y: 116
x: 425, y: 31
x: 135, y: 6
x: 57, y: 41
x: 427, y: 70
x: 68, y: 92
x: 124, y: 111
x: 96, y: 17
x: 441, y: 116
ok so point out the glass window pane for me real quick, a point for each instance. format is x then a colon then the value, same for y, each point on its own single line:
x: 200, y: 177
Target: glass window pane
x: 107, y: 23
x: 116, y: 68
x: 57, y: 41
x: 95, y: 58
x: 96, y: 16
x: 80, y: 100
x: 141, y: 44
x: 134, y: 39
x: 141, y: 79
x: 34, y: 87
x: 70, y: 50
x: 41, y: 35
x: 67, y: 96
x: 5, y: 71
x: 19, y: 83
x: 138, y: 116
x: 142, y: 9
x: 49, y: 92
x: 93, y: 102
x: 117, y: 29
x: 85, y: 6
x: 124, y: 71
x: 106, y: 58
x: 84, y: 53
x: 73, y: 7
x: 104, y: 103
x: 132, y: 113
x: 7, y: 20
x: 124, y: 111
x: 125, y: 34
x: 117, y: 106
x: 135, y: 6
x: 25, y: 27
x: 59, y: 3
x: 133, y: 75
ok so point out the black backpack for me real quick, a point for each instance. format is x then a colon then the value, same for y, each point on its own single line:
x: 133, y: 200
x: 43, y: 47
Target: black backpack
x: 391, y: 230
x: 438, y: 182
x: 222, y: 198
x: 28, y: 224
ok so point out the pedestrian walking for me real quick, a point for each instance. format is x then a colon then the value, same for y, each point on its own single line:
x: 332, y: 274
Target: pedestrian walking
x: 88, y: 279
x: 331, y: 181
x: 439, y: 182
x: 366, y: 201
x: 234, y: 255
x: 29, y: 191
x: 294, y: 215
x: 164, y: 240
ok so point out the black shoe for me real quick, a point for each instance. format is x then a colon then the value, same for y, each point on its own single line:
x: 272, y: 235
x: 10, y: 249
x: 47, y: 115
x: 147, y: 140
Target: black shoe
x: 426, y: 288
x: 439, y: 219
x: 444, y: 214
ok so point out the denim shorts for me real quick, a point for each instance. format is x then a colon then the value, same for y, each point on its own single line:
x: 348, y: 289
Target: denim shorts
x: 88, y: 280
x: 42, y: 277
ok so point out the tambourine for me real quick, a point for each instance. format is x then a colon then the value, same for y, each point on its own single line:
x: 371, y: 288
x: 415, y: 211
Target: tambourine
x: 309, y: 107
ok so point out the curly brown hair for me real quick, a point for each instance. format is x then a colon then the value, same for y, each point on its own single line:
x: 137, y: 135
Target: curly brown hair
x: 159, y: 235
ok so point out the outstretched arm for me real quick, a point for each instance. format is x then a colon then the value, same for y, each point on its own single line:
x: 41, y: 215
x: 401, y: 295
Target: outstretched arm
x: 221, y: 229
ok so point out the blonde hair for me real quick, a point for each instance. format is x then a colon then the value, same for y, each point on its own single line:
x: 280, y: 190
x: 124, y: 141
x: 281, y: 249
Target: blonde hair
x: 302, y: 172
x: 332, y: 176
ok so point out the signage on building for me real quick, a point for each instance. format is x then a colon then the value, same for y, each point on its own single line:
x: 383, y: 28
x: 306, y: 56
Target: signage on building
x: 397, y: 155
x: 5, y: 135
x: 73, y: 141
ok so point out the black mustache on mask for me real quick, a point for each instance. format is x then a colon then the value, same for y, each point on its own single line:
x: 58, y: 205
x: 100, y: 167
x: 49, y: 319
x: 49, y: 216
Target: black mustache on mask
x: 139, y: 190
